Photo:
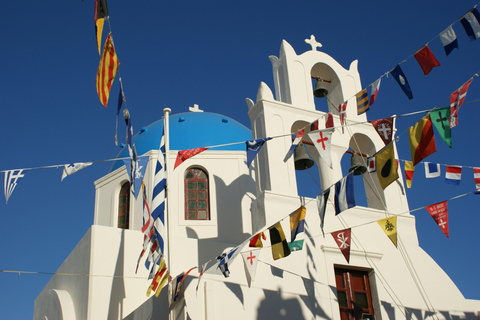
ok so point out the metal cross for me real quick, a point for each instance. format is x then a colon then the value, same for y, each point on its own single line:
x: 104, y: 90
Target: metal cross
x: 322, y: 140
x: 313, y: 43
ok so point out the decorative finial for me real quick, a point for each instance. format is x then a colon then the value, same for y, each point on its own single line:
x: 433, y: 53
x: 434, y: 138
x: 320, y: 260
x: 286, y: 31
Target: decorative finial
x: 313, y: 43
x: 195, y: 108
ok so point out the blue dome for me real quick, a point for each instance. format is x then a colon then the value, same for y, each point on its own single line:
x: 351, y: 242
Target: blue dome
x: 190, y: 130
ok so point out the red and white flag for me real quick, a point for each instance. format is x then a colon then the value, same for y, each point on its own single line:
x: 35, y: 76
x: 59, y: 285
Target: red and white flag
x: 476, y: 177
x: 250, y: 259
x: 371, y: 165
x: 384, y: 128
x: 456, y: 100
x: 202, y: 271
x: 343, y: 239
x: 343, y: 111
x: 453, y: 175
x: 374, y: 91
x: 322, y: 141
x: 439, y: 213
x: 328, y: 120
x: 186, y: 154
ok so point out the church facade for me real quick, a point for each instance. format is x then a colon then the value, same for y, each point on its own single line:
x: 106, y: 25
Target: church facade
x: 216, y: 202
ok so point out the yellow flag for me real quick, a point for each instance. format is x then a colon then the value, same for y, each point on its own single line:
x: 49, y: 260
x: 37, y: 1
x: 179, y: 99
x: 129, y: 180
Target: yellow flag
x: 386, y: 166
x: 409, y: 169
x: 107, y: 69
x: 162, y: 284
x: 389, y: 226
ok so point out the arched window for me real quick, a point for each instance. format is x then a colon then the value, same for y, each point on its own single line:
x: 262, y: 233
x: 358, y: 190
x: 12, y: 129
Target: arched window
x: 124, y: 206
x: 197, y: 206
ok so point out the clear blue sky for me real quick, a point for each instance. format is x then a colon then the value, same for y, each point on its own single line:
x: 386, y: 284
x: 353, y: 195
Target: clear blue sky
x: 214, y: 54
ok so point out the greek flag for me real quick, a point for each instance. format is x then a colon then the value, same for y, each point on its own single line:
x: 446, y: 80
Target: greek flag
x: 158, y: 197
x: 10, y: 181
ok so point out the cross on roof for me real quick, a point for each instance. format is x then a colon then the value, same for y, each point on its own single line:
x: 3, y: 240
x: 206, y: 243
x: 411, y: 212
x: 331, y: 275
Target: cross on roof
x: 195, y: 108
x: 313, y: 43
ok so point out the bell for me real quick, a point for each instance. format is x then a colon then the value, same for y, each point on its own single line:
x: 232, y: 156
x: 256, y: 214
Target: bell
x: 357, y: 165
x: 320, y: 90
x: 302, y: 160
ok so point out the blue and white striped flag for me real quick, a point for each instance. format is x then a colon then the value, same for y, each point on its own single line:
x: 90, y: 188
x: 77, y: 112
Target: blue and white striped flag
x: 344, y: 195
x: 10, y: 181
x: 158, y: 196
x: 471, y: 23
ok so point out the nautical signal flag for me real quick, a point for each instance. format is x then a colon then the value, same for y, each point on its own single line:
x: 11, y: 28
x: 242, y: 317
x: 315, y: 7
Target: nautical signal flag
x: 476, y: 178
x: 453, y: 175
x: 328, y: 120
x: 409, y: 170
x: 225, y: 258
x: 297, y: 222
x: 253, y: 146
x: 101, y: 12
x: 386, y: 166
x: 402, y: 81
x: 371, y: 167
x: 159, y: 280
x: 439, y: 213
x: 449, y: 40
x: 10, y: 180
x: 344, y: 194
x: 384, y: 128
x: 183, y: 155
x: 322, y: 205
x: 432, y: 170
x: 343, y: 239
x: 441, y: 121
x: 295, y: 142
x: 202, y: 271
x: 456, y: 100
x: 279, y: 244
x: 362, y: 102
x: 426, y: 59
x: 256, y: 241
x: 74, y: 167
x: 342, y: 108
x: 389, y: 226
x: 471, y: 23
x: 422, y: 140
x: 374, y: 91
x: 107, y: 69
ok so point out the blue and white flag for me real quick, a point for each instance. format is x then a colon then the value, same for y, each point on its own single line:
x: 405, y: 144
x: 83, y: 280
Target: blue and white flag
x: 399, y: 76
x: 10, y: 180
x: 322, y: 199
x: 74, y: 167
x: 158, y: 196
x: 296, y: 141
x: 136, y: 170
x: 470, y: 23
x: 453, y: 175
x: 449, y: 40
x: 253, y: 146
x: 225, y: 258
x: 432, y: 170
x: 344, y: 195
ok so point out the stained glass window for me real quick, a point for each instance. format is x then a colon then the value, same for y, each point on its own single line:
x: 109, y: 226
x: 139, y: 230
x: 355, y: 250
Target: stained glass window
x: 124, y: 206
x: 197, y: 205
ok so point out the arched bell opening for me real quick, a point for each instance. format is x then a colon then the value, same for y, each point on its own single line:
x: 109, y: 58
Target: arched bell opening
x: 368, y: 192
x: 306, y: 169
x: 326, y: 88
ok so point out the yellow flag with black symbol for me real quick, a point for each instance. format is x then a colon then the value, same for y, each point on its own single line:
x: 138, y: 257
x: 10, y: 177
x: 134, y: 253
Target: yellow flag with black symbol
x: 386, y: 165
x: 280, y: 247
x: 389, y: 226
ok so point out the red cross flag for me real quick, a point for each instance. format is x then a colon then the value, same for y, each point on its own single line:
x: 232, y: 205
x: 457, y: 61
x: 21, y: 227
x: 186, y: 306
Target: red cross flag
x: 439, y: 213
x: 322, y: 141
x: 250, y: 259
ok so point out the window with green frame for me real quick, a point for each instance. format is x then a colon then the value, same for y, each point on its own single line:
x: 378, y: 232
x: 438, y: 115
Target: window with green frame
x: 124, y: 206
x: 197, y: 206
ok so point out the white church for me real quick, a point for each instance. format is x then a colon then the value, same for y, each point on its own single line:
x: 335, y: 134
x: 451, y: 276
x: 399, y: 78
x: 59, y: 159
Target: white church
x: 216, y: 202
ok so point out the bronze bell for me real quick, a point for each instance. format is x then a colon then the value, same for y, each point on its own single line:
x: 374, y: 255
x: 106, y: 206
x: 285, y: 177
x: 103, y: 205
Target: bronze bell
x: 302, y: 160
x: 357, y: 165
x: 320, y: 90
